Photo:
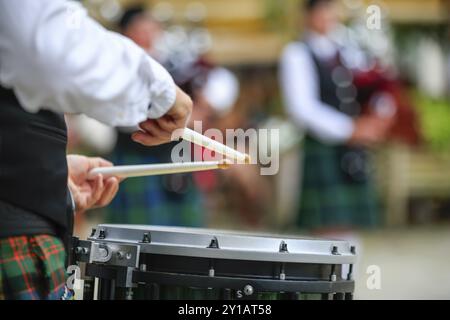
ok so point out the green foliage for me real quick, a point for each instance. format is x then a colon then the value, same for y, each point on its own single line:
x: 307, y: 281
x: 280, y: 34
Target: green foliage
x: 275, y: 13
x: 435, y: 121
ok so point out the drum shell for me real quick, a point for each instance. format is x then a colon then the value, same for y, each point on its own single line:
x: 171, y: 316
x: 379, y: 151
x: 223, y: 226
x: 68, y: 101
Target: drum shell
x: 154, y: 269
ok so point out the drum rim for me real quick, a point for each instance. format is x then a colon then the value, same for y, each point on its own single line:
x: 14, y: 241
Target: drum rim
x: 324, y: 253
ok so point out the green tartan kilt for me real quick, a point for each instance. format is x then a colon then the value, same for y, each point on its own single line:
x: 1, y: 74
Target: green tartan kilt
x: 329, y: 198
x: 32, y: 268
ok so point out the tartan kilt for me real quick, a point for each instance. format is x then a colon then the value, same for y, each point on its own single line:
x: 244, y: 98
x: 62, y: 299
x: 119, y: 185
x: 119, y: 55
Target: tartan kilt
x: 32, y: 268
x: 330, y: 199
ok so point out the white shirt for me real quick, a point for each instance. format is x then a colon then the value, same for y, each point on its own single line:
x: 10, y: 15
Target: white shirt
x: 301, y: 92
x: 55, y: 57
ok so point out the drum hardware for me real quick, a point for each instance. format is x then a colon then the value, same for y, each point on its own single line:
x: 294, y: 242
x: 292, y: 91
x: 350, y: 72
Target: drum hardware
x: 350, y: 273
x: 214, y: 244
x: 350, y: 267
x: 102, y: 234
x: 234, y: 283
x: 101, y: 253
x: 93, y: 231
x: 115, y: 254
x: 129, y: 295
x: 211, y: 271
x: 333, y: 276
x: 248, y: 290
x: 82, y: 250
x: 283, y: 247
x: 282, y: 273
x: 147, y: 238
x: 335, y: 251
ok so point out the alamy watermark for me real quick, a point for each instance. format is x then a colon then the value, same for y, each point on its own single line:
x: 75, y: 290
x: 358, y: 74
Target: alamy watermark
x: 373, y: 21
x: 262, y: 145
x: 373, y: 281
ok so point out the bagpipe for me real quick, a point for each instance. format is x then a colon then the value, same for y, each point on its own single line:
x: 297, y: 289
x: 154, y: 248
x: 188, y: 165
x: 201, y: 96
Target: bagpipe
x: 378, y: 83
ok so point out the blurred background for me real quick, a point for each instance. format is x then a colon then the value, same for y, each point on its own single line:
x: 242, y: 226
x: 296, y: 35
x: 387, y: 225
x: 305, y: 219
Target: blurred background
x: 227, y: 55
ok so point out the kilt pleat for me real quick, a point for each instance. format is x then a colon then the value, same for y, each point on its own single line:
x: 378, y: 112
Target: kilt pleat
x: 32, y: 268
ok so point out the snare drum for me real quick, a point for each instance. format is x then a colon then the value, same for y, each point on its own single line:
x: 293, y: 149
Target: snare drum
x: 149, y: 262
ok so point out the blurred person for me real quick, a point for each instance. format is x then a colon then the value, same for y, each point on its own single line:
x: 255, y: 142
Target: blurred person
x: 49, y: 67
x: 337, y: 193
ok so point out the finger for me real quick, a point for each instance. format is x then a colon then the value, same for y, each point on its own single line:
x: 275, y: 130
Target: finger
x: 146, y: 139
x: 168, y: 124
x: 97, y: 190
x: 98, y: 162
x: 113, y: 191
x: 109, y: 192
x: 155, y: 130
x: 80, y: 201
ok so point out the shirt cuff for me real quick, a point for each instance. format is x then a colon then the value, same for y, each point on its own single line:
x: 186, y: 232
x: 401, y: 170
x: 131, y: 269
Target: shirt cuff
x: 162, y: 91
x: 346, y: 131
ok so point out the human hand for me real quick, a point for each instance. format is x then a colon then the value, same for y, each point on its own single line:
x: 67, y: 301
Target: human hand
x: 159, y: 131
x: 90, y: 193
x: 370, y: 130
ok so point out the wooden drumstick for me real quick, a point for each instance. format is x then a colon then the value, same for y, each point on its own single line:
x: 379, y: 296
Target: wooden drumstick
x: 199, y: 139
x: 157, y: 169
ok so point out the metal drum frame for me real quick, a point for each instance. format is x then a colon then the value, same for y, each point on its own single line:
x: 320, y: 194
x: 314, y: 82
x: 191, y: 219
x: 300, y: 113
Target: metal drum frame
x: 116, y: 259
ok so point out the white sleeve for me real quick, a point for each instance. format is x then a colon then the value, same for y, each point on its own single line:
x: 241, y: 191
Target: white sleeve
x: 300, y: 89
x: 55, y: 57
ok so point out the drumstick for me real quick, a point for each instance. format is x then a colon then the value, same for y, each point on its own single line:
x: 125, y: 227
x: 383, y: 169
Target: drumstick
x: 157, y: 169
x: 199, y: 139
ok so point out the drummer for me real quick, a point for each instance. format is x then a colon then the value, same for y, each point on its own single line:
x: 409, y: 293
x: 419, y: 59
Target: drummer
x: 48, y: 63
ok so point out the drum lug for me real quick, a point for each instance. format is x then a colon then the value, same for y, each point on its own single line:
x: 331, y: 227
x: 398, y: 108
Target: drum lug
x: 115, y: 254
x: 283, y: 247
x: 146, y: 238
x: 214, y: 244
x: 102, y: 234
x: 335, y: 251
